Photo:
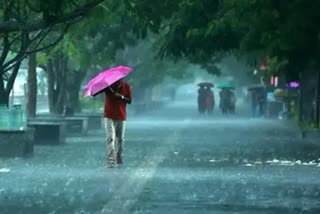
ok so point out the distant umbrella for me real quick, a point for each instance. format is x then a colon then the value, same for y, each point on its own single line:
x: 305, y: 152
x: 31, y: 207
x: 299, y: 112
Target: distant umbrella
x: 226, y: 85
x: 206, y: 84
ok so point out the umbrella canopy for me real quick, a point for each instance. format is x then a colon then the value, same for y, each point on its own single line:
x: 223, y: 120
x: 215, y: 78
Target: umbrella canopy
x: 205, y: 84
x: 105, y: 79
x: 226, y: 85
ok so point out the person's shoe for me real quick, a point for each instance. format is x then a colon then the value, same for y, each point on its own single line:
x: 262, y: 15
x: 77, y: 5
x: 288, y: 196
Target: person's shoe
x: 119, y: 161
x: 110, y: 165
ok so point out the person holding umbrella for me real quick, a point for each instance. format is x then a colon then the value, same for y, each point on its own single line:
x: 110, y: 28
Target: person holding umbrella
x: 227, y: 97
x: 117, y: 96
x: 205, y: 97
x: 209, y: 100
x: 201, y: 99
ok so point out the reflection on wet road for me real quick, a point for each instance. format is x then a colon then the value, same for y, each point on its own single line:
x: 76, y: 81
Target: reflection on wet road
x: 175, y: 162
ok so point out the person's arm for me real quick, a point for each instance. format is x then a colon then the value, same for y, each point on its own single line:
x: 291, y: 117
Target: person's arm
x: 127, y: 95
x: 126, y: 99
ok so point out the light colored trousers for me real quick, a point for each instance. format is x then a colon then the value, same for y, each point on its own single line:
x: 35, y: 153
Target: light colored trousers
x: 115, y: 139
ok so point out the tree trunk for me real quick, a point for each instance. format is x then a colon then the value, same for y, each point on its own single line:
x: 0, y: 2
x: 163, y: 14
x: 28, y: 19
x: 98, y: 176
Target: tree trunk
x: 6, y: 89
x: 4, y: 97
x: 317, y: 113
x: 61, y: 81
x: 56, y: 70
x: 74, y: 99
x: 300, y: 100
x: 51, y: 80
x: 32, y: 86
x: 73, y: 88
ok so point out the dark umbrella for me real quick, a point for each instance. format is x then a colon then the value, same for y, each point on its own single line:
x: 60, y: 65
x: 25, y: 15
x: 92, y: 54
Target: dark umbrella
x: 205, y: 84
x: 226, y: 85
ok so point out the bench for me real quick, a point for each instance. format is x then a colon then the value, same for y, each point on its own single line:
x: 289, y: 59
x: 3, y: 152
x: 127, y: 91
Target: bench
x: 74, y: 124
x: 16, y: 143
x: 47, y: 131
x: 95, y: 120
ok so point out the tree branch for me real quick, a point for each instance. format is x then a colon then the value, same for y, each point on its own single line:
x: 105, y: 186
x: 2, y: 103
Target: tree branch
x: 40, y: 36
x: 23, y: 53
x: 12, y: 78
x: 19, y: 56
x: 13, y: 25
x: 6, y: 48
x: 48, y: 45
x: 32, y: 8
x: 14, y: 39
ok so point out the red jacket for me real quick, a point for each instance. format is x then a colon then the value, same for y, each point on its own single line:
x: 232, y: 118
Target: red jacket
x: 114, y: 107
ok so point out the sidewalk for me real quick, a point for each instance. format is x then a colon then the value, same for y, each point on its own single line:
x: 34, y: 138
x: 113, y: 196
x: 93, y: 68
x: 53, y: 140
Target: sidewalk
x: 175, y: 162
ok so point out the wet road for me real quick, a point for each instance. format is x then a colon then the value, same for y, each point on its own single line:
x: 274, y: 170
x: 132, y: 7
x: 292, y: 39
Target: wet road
x: 175, y: 162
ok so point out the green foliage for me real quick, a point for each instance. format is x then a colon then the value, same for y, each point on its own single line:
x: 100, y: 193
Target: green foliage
x: 92, y: 105
x: 30, y: 26
x: 285, y: 31
x: 310, y: 127
x: 94, y: 42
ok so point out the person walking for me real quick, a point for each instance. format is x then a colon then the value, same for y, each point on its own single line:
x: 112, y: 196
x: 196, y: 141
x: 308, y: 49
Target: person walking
x: 201, y: 100
x: 209, y: 100
x: 254, y: 103
x: 117, y: 96
x: 233, y: 100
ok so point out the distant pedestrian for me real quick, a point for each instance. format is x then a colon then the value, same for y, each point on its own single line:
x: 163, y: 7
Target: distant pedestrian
x: 261, y: 99
x: 233, y: 101
x: 254, y: 103
x: 224, y: 100
x: 201, y: 100
x: 209, y: 100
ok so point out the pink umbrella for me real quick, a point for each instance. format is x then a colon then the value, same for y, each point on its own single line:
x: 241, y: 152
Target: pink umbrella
x: 105, y: 79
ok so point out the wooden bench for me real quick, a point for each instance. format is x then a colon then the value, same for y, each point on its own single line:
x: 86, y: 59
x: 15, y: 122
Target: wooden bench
x: 16, y: 143
x: 47, y: 131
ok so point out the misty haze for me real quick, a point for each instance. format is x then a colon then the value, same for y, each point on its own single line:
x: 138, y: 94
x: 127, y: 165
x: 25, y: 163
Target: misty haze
x: 178, y: 107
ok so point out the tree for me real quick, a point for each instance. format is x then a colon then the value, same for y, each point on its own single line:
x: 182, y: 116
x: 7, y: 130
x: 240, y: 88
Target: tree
x: 203, y: 29
x: 24, y: 26
x: 88, y: 47
x: 285, y: 32
x: 32, y: 85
